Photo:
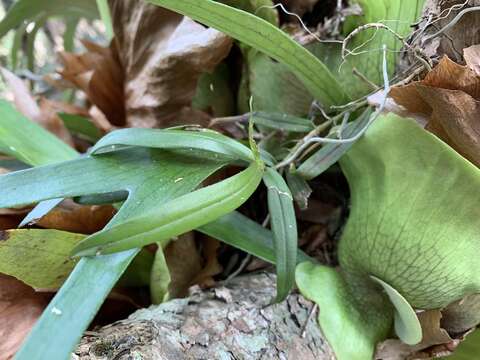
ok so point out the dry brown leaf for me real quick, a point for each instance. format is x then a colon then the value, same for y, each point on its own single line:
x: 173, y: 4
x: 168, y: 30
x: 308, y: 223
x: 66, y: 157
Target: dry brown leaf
x: 26, y: 104
x: 212, y: 267
x: 77, y: 218
x: 99, y: 74
x: 433, y: 335
x: 449, y: 96
x: 20, y: 307
x: 472, y: 58
x: 163, y: 54
x: 184, y: 263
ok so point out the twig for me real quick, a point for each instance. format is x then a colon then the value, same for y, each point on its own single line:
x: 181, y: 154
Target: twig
x: 312, y: 312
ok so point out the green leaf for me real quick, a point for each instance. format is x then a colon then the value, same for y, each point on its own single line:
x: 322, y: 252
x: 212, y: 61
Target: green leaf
x: 148, y: 175
x: 266, y: 38
x: 106, y: 17
x: 81, y: 127
x: 160, y: 278
x: 398, y: 15
x: 282, y: 121
x: 239, y: 231
x: 26, y: 10
x: 414, y: 214
x: 39, y: 258
x: 27, y: 141
x: 284, y: 228
x: 201, y: 141
x: 352, y: 329
x: 176, y: 217
x: 407, y: 325
x: 274, y: 87
x: 329, y: 154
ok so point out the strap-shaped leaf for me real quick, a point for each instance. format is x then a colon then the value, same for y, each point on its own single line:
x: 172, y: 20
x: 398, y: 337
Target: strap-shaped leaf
x: 177, y: 216
x: 239, y: 231
x: 329, y: 154
x: 283, y: 122
x: 29, y: 142
x: 266, y: 38
x: 204, y: 140
x: 284, y: 228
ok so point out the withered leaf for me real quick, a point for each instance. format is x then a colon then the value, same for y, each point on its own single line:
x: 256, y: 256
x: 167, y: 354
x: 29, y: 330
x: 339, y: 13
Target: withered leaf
x: 449, y: 96
x: 163, y: 55
x: 99, y: 74
x: 20, y: 307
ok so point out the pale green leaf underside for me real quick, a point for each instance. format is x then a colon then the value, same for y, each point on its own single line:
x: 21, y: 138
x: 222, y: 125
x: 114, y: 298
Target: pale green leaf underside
x: 407, y: 325
x: 266, y: 38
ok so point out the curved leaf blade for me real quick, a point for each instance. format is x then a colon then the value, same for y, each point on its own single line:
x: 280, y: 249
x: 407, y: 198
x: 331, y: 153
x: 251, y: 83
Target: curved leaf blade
x: 407, y: 325
x: 266, y: 38
x: 175, y: 217
x: 205, y: 140
x: 29, y: 142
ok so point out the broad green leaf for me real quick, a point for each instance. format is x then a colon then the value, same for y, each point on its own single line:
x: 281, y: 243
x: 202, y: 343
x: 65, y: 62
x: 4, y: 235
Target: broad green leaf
x: 407, y: 325
x: 81, y: 127
x: 351, y: 328
x: 413, y: 223
x: 282, y: 121
x: 160, y: 278
x: 266, y: 38
x: 239, y: 231
x: 274, y: 87
x: 398, y: 15
x: 284, y: 228
x: 27, y: 141
x: 177, y: 216
x: 39, y: 258
x: 414, y: 214
x: 329, y: 154
x: 200, y: 141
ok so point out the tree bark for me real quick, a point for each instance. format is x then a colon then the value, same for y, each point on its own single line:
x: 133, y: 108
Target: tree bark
x: 232, y: 321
